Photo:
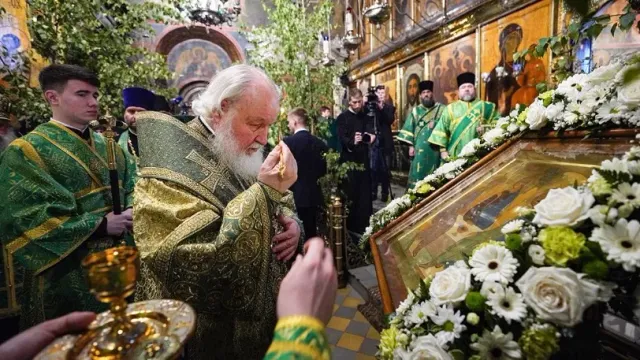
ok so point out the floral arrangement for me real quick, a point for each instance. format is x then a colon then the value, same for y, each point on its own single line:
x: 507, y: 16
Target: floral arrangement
x: 522, y: 298
x: 608, y: 97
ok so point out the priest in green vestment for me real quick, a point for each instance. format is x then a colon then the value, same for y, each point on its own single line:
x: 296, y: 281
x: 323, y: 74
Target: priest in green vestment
x: 56, y: 202
x: 416, y: 131
x: 463, y: 120
x: 136, y: 99
x: 215, y: 225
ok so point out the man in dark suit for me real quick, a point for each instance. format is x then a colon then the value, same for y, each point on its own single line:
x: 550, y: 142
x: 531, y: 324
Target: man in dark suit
x: 307, y: 150
x: 382, y: 150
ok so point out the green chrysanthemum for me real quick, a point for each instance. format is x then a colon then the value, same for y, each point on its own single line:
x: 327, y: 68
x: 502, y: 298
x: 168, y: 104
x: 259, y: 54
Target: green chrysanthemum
x: 599, y: 186
x: 475, y: 301
x: 539, y: 342
x: 387, y: 343
x: 424, y: 189
x: 561, y: 244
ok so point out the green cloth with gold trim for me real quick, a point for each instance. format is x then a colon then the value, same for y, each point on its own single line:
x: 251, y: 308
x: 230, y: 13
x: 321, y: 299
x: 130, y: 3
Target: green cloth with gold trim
x: 458, y: 124
x: 299, y: 338
x: 55, y: 191
x: 415, y: 132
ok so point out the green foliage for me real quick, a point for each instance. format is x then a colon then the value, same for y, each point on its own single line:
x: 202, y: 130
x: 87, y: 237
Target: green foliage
x: 336, y: 174
x: 322, y: 129
x: 71, y: 32
x: 289, y: 52
x: 564, y: 46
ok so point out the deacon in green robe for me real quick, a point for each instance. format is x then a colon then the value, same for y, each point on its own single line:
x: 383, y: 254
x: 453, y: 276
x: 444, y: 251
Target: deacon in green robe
x: 416, y: 131
x: 56, y: 203
x: 462, y: 120
x: 214, y: 223
x: 135, y: 99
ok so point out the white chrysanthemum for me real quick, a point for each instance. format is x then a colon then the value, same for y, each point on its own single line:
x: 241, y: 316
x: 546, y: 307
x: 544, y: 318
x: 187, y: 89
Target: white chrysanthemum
x: 626, y: 193
x: 470, y: 148
x: 493, y: 263
x: 496, y: 345
x: 494, y: 136
x: 509, y: 306
x: 451, y: 323
x: 621, y: 242
x: 554, y: 110
x: 633, y: 167
x: 536, y: 253
x: 512, y: 226
x: 490, y: 288
x: 419, y: 313
x: 406, y: 304
x: 610, y: 111
x: 602, y: 214
x: 615, y: 165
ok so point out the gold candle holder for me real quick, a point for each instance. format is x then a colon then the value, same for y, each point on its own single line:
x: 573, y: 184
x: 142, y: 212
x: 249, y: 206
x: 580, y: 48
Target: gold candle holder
x: 154, y: 329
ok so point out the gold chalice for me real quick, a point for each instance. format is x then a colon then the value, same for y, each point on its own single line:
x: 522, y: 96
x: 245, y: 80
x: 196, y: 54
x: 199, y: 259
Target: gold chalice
x: 112, y: 276
x: 152, y: 329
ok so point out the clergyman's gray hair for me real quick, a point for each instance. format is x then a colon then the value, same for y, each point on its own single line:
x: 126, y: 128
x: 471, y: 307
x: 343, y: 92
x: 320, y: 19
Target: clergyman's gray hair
x: 230, y: 84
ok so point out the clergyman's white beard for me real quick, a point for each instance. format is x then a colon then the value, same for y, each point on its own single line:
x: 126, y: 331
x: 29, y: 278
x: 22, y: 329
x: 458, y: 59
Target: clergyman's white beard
x: 244, y: 166
x: 468, y: 98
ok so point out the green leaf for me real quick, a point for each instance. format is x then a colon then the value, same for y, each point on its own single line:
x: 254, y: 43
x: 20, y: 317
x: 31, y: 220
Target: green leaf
x: 595, y: 30
x: 627, y: 20
x: 614, y: 27
x: 457, y: 354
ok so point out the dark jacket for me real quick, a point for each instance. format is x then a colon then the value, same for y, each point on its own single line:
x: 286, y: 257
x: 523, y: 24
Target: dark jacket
x: 386, y: 117
x: 307, y: 150
x: 348, y: 125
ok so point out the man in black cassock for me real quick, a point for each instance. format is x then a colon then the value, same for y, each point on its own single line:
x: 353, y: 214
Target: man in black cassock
x: 382, y: 149
x: 356, y: 133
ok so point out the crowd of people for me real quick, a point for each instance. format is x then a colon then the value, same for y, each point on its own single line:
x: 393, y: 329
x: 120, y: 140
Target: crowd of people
x: 217, y: 225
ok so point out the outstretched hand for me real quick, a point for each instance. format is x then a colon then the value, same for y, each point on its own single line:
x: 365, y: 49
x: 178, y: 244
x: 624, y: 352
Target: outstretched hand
x: 26, y: 345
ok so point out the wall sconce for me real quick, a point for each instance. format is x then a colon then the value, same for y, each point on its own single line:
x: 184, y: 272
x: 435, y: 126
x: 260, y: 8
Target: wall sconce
x: 378, y: 13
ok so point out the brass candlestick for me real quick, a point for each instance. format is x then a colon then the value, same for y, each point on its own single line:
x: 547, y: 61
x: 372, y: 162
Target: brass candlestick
x: 153, y: 329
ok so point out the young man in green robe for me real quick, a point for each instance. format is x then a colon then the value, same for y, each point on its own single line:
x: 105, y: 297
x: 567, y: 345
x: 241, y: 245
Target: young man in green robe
x: 56, y: 202
x: 462, y: 120
x: 416, y: 132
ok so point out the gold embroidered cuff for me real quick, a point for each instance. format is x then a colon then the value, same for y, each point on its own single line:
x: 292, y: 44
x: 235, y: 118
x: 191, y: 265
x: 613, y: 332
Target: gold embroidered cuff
x: 272, y: 194
x: 300, y: 320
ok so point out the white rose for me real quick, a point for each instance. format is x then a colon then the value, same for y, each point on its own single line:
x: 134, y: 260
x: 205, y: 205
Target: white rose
x: 423, y: 348
x: 536, y: 116
x: 552, y: 111
x: 450, y: 285
x: 557, y: 295
x: 604, y: 73
x: 470, y: 148
x: 629, y: 94
x: 513, y: 128
x: 536, y: 253
x: 566, y: 206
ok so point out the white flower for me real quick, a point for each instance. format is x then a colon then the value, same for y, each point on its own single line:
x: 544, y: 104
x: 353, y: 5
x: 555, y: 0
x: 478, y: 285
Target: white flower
x: 423, y: 348
x: 615, y: 165
x: 450, y: 168
x: 536, y: 253
x: 419, y: 313
x: 491, y: 288
x: 473, y: 318
x: 512, y: 226
x: 450, y: 322
x: 536, y: 116
x: 627, y: 194
x: 406, y: 304
x: 609, y: 111
x: 598, y: 185
x: 633, y: 167
x: 509, y: 306
x: 566, y: 206
x: 621, y: 242
x: 494, y: 136
x: 554, y: 110
x: 604, y: 73
x: 629, y: 94
x: 513, y: 128
x: 493, y: 263
x: 557, y: 295
x: 450, y: 285
x: 496, y: 345
x: 470, y: 148
x: 602, y: 214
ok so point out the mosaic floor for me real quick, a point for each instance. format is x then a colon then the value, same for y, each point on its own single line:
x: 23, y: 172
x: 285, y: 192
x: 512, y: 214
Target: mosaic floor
x: 349, y: 333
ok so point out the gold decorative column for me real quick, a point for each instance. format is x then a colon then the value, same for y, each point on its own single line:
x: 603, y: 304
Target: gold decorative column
x: 337, y: 234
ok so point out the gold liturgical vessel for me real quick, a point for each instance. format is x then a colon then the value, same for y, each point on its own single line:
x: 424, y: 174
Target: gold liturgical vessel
x: 154, y: 329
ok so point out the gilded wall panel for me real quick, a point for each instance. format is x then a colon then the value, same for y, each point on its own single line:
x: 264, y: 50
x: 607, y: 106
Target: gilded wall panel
x: 412, y: 73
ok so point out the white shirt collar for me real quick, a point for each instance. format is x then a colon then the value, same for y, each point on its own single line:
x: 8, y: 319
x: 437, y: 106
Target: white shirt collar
x: 69, y: 126
x: 297, y: 131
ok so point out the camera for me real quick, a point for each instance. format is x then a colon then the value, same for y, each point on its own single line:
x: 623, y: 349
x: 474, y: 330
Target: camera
x: 372, y: 101
x: 366, y: 139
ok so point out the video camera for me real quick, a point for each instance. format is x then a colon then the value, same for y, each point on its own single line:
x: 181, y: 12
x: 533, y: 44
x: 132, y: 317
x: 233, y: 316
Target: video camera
x: 371, y: 101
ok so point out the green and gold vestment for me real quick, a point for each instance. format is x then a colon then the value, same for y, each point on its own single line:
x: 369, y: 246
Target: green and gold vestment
x: 54, y: 191
x: 205, y: 238
x: 415, y: 132
x: 458, y: 124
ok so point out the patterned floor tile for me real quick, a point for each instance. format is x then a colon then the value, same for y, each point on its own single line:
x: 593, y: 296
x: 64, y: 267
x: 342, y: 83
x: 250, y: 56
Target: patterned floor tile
x: 369, y: 347
x: 349, y: 333
x: 358, y: 328
x: 346, y: 312
x: 338, y: 323
x: 333, y: 335
x: 352, y: 302
x: 350, y: 341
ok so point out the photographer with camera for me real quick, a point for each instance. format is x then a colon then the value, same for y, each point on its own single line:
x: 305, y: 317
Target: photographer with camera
x: 356, y: 133
x: 382, y: 149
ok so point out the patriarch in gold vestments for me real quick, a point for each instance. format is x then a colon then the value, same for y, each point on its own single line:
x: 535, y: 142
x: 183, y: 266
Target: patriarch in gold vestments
x: 215, y: 225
